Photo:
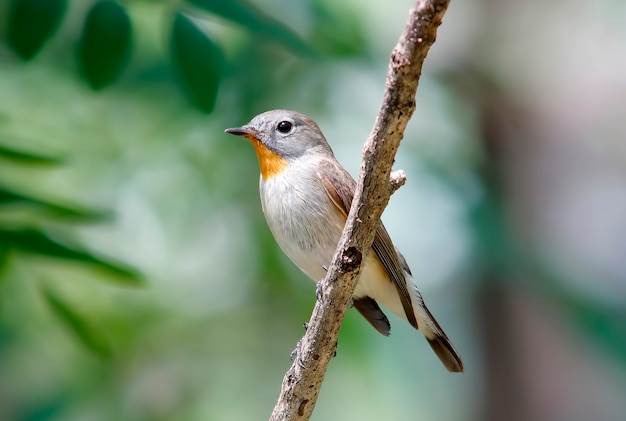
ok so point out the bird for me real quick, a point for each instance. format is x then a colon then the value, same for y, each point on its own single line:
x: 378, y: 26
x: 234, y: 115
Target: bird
x: 306, y: 196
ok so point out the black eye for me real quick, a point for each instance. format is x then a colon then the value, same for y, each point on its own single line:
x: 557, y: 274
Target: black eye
x: 284, y: 127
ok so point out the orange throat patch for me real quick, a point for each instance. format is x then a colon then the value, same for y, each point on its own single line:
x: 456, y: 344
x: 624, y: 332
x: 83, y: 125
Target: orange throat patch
x: 271, y: 163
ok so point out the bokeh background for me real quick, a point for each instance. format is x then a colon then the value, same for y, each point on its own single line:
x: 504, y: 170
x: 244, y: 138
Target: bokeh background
x: 139, y: 281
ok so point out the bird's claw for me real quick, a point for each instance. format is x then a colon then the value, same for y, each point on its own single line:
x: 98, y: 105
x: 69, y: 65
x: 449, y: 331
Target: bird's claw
x: 295, y: 354
x: 318, y: 291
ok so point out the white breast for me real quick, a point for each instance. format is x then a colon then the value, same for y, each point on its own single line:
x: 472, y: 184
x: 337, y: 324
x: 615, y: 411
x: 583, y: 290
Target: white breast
x: 305, y: 224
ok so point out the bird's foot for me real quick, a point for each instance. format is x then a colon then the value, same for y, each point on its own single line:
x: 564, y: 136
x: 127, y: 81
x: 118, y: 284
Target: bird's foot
x: 318, y: 291
x: 295, y: 354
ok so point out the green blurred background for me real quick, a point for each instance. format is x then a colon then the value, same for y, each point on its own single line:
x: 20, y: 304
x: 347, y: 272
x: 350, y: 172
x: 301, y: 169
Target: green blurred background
x: 139, y: 280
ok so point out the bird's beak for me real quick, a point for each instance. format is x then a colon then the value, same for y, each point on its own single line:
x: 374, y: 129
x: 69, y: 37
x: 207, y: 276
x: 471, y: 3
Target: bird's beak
x: 245, y: 131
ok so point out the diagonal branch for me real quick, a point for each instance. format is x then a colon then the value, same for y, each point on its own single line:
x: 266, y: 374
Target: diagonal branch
x: 303, y: 380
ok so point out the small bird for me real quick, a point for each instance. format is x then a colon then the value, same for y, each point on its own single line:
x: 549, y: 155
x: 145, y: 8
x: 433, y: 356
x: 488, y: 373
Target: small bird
x: 306, y: 197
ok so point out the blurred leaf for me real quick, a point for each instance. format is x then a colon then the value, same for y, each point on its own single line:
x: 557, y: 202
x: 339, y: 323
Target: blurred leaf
x: 31, y: 23
x: 199, y: 62
x: 245, y: 14
x: 256, y: 85
x: 8, y: 196
x: 27, y: 157
x: 495, y: 245
x: 48, y: 409
x: 87, y: 335
x: 105, y: 44
x: 34, y: 241
x: 337, y: 29
x: 604, y: 326
x: 4, y: 259
x: 502, y: 255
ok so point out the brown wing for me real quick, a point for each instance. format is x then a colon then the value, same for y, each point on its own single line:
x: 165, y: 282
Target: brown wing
x: 388, y: 256
x: 340, y: 187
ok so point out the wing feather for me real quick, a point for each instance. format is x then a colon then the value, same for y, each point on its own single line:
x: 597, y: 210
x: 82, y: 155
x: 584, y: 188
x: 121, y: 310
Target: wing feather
x: 368, y: 307
x: 340, y: 187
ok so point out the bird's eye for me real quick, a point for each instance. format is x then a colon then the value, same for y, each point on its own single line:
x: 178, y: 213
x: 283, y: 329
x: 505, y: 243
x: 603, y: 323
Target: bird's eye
x: 284, y: 127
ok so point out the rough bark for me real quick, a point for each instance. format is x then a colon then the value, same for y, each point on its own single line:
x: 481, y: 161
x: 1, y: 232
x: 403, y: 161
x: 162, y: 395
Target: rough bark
x: 302, y: 382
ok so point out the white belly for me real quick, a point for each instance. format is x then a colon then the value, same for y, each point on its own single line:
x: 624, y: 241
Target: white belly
x: 307, y: 227
x: 304, y: 222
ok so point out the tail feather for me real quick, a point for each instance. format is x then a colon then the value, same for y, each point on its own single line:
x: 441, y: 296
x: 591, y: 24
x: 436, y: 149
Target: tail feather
x: 446, y: 352
x: 441, y: 344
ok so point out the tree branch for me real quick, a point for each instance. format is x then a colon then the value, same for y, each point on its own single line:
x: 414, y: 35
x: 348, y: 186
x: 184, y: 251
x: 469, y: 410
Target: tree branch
x: 303, y: 380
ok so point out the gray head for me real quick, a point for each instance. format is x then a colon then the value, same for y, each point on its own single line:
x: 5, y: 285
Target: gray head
x: 287, y: 133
